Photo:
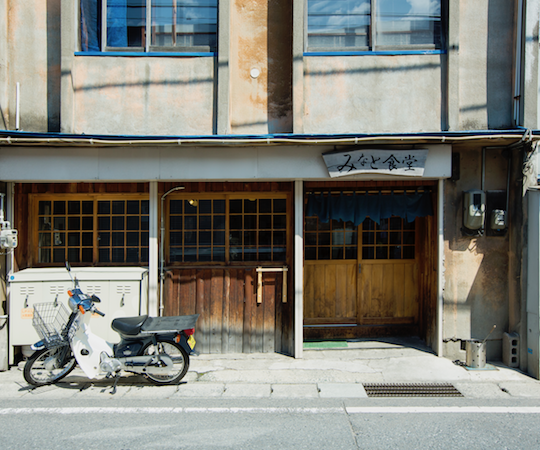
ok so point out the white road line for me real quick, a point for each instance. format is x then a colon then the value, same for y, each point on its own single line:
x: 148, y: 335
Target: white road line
x: 150, y: 410
x: 444, y: 410
x: 270, y: 410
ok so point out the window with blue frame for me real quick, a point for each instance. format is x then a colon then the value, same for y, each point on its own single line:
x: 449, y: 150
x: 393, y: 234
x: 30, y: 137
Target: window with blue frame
x: 148, y: 25
x: 370, y: 25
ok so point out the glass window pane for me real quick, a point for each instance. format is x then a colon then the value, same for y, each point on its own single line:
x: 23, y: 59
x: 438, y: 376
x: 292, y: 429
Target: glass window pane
x: 324, y: 253
x: 408, y: 252
x: 73, y: 255
x: 219, y: 254
x: 88, y: 207
x: 104, y: 239
x: 250, y: 222
x: 132, y: 239
x: 334, y: 24
x: 408, y: 237
x: 126, y: 23
x: 408, y: 23
x: 118, y: 207
x: 175, y: 206
x: 219, y: 222
x: 382, y: 253
x: 87, y: 223
x: 104, y: 223
x: 395, y: 252
x: 118, y: 223
x: 74, y: 239
x: 368, y: 253
x: 59, y: 223
x: 44, y: 223
x: 205, y: 238
x: 235, y: 222
x: 176, y: 238
x: 219, y: 206
x: 59, y: 255
x: 280, y: 222
x: 219, y: 237
x: 132, y: 207
x: 132, y: 222
x: 104, y: 255
x: 310, y: 254
x: 59, y: 207
x: 117, y: 255
x: 350, y: 252
x: 337, y: 252
x: 74, y: 223
x: 279, y: 237
x: 74, y: 207
x: 88, y: 239
x: 87, y: 255
x: 175, y: 223
x: 205, y: 222
x: 190, y: 206
x: 104, y: 207
x: 117, y: 239
x: 44, y: 255
x: 44, y: 208
x: 190, y: 222
x: 205, y: 206
x: 265, y: 205
x: 132, y: 255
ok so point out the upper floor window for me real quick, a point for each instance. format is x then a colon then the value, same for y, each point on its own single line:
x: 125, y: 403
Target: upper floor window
x: 148, y: 25
x: 373, y: 25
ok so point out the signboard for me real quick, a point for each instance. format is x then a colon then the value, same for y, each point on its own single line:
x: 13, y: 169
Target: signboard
x: 409, y: 163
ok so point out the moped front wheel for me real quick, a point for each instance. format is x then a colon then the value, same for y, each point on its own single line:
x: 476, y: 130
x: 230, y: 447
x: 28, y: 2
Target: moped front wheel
x: 48, y: 366
x: 179, y: 357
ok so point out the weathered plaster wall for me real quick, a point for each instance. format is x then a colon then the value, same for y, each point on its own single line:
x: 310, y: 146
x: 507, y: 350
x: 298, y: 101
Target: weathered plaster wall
x: 486, y: 58
x: 34, y: 62
x: 142, y: 95
x: 261, y: 39
x: 4, y: 80
x: 372, y: 94
x: 476, y: 292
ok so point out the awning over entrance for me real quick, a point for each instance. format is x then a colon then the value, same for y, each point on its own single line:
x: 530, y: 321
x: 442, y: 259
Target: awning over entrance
x: 355, y: 208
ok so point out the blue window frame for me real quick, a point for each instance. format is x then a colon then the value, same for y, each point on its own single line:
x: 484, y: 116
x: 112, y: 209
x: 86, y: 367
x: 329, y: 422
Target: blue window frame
x: 372, y: 25
x: 148, y: 25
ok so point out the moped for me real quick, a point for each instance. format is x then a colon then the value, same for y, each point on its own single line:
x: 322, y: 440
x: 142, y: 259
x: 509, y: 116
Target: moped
x: 156, y: 347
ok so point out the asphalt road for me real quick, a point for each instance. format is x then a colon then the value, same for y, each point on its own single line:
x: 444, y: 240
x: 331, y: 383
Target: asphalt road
x: 264, y: 424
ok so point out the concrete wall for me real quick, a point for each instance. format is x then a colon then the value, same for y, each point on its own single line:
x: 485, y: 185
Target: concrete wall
x: 470, y: 88
x: 261, y: 41
x: 142, y: 96
x: 477, y: 281
x: 372, y: 94
x: 34, y: 61
x: 486, y: 58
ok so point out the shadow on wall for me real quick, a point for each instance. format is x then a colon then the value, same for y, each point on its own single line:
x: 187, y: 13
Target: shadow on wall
x: 53, y: 65
x: 500, y: 55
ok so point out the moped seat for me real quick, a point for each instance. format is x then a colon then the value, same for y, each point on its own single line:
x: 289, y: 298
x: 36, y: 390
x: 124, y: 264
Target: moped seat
x: 130, y: 326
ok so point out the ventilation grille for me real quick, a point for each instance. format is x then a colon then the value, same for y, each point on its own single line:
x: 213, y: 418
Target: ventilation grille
x: 411, y: 390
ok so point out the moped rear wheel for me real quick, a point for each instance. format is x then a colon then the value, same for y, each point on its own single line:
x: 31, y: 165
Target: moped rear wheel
x: 48, y: 366
x: 179, y: 357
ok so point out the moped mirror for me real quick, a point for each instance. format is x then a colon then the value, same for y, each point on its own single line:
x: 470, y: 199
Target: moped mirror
x: 68, y: 266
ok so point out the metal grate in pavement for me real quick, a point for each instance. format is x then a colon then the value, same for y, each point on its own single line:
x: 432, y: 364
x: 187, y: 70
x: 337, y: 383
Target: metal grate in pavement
x: 411, y: 390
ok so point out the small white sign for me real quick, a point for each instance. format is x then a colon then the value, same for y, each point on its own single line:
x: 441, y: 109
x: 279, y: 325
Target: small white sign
x: 409, y: 163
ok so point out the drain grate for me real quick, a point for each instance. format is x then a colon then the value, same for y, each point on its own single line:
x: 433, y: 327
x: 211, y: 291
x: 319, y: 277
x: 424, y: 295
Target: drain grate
x: 411, y: 390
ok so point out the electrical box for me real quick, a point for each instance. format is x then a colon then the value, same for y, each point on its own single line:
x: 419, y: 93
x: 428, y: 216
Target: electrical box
x: 498, y: 220
x: 123, y: 292
x: 8, y: 239
x: 474, y: 210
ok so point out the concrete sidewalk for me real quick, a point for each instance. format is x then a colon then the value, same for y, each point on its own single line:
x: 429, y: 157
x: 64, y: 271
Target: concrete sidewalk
x: 322, y: 373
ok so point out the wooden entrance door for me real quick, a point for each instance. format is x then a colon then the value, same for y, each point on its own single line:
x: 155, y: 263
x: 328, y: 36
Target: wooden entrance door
x: 359, y: 277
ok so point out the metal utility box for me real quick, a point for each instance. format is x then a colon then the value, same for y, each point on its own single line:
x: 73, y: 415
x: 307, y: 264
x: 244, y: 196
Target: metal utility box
x: 123, y: 292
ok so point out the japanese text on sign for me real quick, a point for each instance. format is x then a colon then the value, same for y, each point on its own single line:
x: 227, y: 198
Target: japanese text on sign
x: 390, y: 162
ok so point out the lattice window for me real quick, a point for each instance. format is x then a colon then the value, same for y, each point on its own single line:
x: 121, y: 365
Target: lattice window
x: 91, y: 229
x: 334, y: 240
x: 393, y: 238
x: 227, y: 229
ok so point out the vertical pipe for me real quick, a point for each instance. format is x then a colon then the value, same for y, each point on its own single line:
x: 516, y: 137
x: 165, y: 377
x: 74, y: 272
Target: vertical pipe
x: 17, y: 106
x: 153, y: 309
x: 298, y: 268
x: 517, y: 68
x: 440, y: 267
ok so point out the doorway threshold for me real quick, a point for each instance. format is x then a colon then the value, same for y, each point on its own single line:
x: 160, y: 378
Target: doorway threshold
x: 325, y: 344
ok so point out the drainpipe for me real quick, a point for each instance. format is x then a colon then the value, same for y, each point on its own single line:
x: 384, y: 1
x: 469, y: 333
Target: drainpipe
x: 161, y: 254
x: 517, y: 80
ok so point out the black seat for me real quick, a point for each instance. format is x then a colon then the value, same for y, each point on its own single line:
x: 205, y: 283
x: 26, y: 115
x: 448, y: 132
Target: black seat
x: 129, y: 326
